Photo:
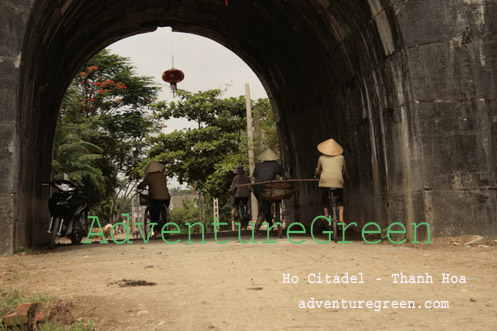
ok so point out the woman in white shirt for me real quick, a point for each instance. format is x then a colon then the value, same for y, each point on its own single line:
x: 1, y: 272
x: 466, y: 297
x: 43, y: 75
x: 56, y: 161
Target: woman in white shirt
x: 331, y: 172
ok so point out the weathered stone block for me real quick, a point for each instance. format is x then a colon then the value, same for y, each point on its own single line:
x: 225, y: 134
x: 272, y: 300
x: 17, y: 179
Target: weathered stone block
x: 482, y: 55
x: 8, y: 91
x: 457, y: 144
x: 457, y: 212
x: 7, y: 132
x: 6, y: 223
x: 440, y: 71
x: 359, y: 207
x: 453, y: 70
x: 479, y: 15
x: 426, y: 21
x: 13, y: 18
x: 489, y: 16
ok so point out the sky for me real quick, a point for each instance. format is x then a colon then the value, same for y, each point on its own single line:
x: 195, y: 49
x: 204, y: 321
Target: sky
x: 205, y: 63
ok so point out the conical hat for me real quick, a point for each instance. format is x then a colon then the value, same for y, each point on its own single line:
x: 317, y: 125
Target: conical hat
x: 330, y: 147
x: 268, y: 155
x: 154, y: 166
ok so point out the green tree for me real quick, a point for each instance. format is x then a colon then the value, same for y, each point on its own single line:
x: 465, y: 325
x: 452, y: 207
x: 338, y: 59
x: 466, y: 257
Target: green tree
x: 186, y: 213
x: 265, y: 133
x: 102, y: 129
x: 79, y: 158
x: 206, y: 156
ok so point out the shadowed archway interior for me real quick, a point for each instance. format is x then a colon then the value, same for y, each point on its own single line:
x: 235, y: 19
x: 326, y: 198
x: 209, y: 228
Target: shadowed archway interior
x: 332, y: 69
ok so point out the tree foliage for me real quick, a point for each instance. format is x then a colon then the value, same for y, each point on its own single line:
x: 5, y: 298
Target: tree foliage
x: 206, y: 156
x: 101, y: 132
x: 186, y: 213
x: 265, y: 132
x: 107, y: 131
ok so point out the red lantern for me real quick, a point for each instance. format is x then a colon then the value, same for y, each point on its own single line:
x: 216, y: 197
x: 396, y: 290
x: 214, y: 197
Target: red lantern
x: 173, y: 76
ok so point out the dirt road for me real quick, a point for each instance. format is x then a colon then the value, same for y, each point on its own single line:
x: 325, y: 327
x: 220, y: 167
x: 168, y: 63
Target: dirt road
x: 236, y: 286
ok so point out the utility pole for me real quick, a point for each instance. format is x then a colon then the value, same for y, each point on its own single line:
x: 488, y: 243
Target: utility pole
x: 250, y: 134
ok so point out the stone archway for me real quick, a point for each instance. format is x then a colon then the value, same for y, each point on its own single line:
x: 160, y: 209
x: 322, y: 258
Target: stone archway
x: 405, y: 95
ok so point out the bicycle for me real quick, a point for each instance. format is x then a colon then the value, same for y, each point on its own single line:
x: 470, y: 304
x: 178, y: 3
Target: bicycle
x: 163, y: 215
x: 275, y: 191
x: 242, y: 213
x: 331, y: 200
x: 276, y: 216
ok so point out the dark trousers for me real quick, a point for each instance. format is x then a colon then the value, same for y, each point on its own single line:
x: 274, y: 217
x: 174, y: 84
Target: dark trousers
x: 240, y: 199
x: 155, y: 211
x: 337, y: 192
x: 264, y: 206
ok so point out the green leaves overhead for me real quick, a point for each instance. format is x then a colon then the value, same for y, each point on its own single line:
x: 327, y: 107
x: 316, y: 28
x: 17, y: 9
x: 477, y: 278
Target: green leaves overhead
x: 206, y: 108
x: 265, y: 133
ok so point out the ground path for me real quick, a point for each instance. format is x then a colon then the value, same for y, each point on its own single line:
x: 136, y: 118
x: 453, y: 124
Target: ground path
x: 234, y: 286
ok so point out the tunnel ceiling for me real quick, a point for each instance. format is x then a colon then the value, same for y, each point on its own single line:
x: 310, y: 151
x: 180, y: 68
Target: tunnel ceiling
x: 291, y: 45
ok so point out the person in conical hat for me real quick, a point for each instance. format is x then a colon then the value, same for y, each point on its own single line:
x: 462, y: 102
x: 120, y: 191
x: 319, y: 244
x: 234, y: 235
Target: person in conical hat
x: 268, y: 155
x: 154, y: 166
x: 157, y: 190
x: 267, y: 169
x: 332, y: 173
x: 330, y: 147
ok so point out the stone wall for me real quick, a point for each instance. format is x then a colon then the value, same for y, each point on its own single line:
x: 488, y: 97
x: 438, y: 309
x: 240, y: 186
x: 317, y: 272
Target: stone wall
x: 14, y: 15
x: 452, y: 56
x: 406, y: 86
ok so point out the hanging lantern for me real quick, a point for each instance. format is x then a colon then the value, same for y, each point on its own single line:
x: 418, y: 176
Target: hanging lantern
x: 173, y: 76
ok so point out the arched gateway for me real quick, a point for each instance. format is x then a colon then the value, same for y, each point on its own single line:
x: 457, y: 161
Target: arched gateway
x: 407, y: 87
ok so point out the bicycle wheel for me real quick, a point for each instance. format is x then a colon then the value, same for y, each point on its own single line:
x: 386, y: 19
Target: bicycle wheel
x: 278, y: 219
x: 236, y: 213
x: 164, y: 218
x: 334, y: 220
x: 146, y: 223
x: 52, y: 236
x: 243, y: 215
x: 332, y: 213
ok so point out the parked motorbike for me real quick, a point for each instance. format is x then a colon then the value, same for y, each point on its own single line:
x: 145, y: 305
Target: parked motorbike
x: 68, y: 207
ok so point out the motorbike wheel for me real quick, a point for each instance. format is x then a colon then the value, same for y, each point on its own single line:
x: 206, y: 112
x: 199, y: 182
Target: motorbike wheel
x: 79, y: 229
x: 52, y: 236
x: 76, y: 238
x: 76, y: 234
